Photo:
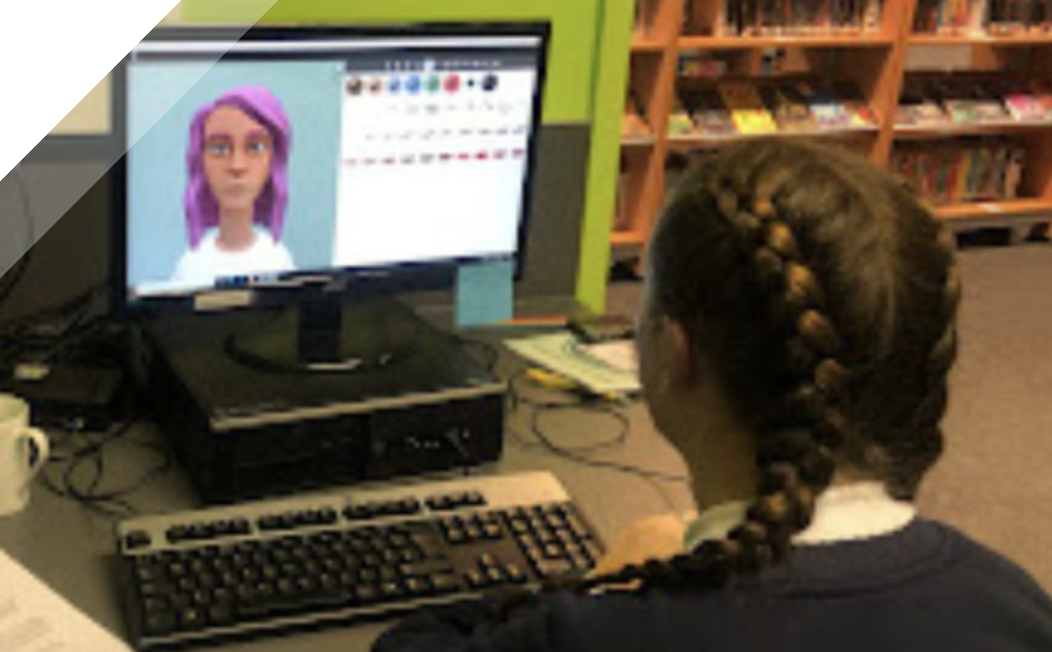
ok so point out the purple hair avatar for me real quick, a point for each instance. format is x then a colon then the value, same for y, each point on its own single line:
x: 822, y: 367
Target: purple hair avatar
x: 202, y: 210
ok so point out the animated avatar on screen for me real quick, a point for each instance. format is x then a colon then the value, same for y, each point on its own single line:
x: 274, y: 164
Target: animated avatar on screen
x: 238, y: 187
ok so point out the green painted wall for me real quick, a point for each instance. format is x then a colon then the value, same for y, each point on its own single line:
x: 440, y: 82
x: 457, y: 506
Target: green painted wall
x: 614, y: 23
x: 587, y: 70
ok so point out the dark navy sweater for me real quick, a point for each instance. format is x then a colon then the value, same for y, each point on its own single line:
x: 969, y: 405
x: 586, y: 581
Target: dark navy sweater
x: 925, y: 588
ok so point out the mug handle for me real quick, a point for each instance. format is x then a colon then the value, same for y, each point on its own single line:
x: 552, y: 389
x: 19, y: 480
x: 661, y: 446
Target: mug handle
x: 37, y: 438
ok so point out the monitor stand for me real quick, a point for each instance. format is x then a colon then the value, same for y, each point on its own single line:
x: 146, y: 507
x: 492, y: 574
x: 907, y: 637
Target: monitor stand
x: 326, y: 333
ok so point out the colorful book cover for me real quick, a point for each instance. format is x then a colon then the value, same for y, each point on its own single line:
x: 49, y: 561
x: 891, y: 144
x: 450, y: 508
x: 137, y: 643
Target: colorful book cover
x: 710, y: 114
x: 910, y: 98
x: 870, y: 17
x: 1013, y: 172
x: 928, y: 111
x: 748, y: 112
x: 1021, y: 103
x: 956, y: 101
x: 679, y: 122
x: 960, y: 175
x: 988, y: 104
x: 788, y: 108
x: 750, y: 25
x: 1042, y: 94
x: 825, y: 107
x: 632, y: 123
x: 859, y: 113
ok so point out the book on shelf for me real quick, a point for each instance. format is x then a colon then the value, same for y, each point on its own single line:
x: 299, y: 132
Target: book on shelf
x: 956, y: 100
x: 949, y: 17
x: 1022, y: 104
x: 858, y: 112
x: 989, y: 106
x: 788, y: 108
x: 796, y: 17
x: 919, y: 105
x: 826, y: 108
x: 967, y: 170
x: 644, y: 19
x: 1012, y: 17
x: 633, y: 123
x: 710, y: 114
x: 767, y: 107
x: 679, y: 121
x: 1041, y: 91
x: 748, y: 112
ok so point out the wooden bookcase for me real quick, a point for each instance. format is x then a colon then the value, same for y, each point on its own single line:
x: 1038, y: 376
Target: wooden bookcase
x: 876, y: 63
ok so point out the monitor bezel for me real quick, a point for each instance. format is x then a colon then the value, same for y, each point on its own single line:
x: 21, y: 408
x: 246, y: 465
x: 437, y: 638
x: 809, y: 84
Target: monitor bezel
x: 370, y: 280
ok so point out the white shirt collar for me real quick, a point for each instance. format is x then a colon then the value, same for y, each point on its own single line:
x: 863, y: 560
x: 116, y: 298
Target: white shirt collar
x: 843, y: 513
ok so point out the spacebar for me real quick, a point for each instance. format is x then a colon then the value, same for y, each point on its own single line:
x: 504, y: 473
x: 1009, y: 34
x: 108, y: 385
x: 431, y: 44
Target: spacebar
x: 308, y: 602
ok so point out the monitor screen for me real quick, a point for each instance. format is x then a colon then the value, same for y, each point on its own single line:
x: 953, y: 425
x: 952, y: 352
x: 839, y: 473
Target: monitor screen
x: 306, y: 151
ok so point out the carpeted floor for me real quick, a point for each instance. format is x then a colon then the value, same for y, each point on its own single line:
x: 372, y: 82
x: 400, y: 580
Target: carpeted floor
x: 995, y: 479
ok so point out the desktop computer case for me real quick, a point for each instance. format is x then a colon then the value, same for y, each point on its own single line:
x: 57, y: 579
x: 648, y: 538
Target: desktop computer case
x: 241, y: 433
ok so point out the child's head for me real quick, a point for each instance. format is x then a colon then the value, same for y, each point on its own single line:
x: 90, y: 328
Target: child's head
x: 237, y: 159
x: 822, y: 297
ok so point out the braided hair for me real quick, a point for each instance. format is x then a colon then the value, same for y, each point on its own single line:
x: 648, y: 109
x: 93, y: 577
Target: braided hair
x: 825, y: 296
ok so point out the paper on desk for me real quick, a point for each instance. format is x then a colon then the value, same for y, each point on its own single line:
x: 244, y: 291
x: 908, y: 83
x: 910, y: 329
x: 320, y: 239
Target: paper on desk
x: 561, y: 353
x: 619, y: 355
x: 33, y: 618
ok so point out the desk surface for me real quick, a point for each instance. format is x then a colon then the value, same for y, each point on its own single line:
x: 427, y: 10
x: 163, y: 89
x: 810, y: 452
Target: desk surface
x: 70, y: 548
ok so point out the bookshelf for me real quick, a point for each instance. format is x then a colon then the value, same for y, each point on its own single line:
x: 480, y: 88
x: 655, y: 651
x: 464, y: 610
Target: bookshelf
x: 876, y: 57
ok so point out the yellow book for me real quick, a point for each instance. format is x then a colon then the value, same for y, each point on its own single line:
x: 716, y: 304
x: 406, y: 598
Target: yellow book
x: 747, y: 109
x: 960, y: 191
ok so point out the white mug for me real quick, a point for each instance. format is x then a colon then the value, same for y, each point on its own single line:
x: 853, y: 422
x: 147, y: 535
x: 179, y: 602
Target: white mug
x: 17, y: 443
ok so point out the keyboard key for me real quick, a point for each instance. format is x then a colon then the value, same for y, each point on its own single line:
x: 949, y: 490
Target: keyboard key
x: 220, y: 614
x: 492, y: 532
x: 191, y: 618
x: 160, y: 623
x: 137, y: 539
x: 391, y: 590
x: 514, y: 573
x: 547, y: 568
x: 418, y: 586
x: 494, y: 575
x: 445, y: 583
x: 366, y: 593
x: 426, y: 568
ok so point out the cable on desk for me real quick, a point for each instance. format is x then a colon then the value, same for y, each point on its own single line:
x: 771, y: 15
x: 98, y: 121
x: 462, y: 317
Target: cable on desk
x: 91, y: 456
x: 72, y: 322
x: 581, y: 454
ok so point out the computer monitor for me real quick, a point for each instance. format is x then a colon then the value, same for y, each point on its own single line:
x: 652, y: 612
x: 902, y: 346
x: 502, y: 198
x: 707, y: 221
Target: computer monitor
x: 375, y: 156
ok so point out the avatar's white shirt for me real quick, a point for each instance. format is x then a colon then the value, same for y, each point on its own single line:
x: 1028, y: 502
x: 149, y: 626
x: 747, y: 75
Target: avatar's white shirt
x: 207, y: 262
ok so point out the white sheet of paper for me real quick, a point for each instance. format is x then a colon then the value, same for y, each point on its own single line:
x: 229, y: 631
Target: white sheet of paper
x: 561, y: 353
x: 620, y: 355
x: 33, y: 618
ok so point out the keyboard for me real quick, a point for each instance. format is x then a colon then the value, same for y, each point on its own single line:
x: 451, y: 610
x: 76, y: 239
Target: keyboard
x: 277, y: 566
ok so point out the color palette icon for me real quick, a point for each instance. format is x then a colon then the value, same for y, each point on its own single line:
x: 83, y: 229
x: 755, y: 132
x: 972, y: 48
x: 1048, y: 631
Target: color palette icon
x: 452, y: 83
x: 413, y: 84
x: 433, y: 84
